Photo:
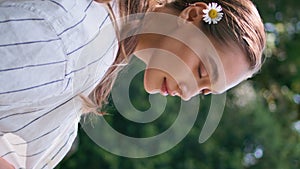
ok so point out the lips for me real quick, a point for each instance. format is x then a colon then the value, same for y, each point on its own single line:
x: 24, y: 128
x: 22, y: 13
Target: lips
x: 164, y: 88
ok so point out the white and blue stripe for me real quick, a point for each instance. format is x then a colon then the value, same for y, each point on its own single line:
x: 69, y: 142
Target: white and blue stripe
x: 50, y: 51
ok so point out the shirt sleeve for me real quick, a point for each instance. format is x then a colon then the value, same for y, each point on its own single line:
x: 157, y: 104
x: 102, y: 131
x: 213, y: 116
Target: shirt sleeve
x: 32, y: 70
x: 49, y: 52
x: 32, y: 59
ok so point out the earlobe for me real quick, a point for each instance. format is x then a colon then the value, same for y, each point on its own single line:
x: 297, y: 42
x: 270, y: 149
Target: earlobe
x: 194, y: 12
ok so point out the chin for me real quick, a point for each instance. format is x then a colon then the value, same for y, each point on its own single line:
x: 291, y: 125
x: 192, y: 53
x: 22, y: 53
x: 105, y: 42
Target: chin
x: 150, y: 90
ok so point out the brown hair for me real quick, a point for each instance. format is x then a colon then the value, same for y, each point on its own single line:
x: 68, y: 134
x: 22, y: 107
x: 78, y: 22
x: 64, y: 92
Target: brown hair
x: 100, y: 94
x: 241, y: 23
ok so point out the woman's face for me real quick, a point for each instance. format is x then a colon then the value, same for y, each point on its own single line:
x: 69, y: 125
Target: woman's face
x: 182, y: 61
x: 174, y: 69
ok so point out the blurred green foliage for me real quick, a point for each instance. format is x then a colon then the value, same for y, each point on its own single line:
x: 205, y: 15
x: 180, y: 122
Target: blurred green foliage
x: 258, y: 130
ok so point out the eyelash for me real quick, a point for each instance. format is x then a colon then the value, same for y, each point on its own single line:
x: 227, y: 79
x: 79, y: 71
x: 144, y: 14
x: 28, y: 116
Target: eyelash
x: 199, y: 72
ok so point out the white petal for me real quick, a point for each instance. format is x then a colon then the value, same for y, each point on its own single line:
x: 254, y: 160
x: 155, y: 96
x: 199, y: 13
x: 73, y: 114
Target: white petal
x: 219, y: 8
x: 205, y: 11
x: 209, y: 6
x: 219, y: 17
x: 215, y: 21
x: 214, y: 5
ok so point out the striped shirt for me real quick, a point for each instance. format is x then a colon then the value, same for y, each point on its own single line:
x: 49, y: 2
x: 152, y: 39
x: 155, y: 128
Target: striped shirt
x: 50, y: 51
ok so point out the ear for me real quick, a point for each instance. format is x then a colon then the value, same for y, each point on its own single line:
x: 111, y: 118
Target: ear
x: 193, y: 13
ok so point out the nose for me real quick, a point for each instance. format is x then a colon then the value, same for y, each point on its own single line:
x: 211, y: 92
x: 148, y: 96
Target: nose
x: 206, y: 91
x: 188, y: 91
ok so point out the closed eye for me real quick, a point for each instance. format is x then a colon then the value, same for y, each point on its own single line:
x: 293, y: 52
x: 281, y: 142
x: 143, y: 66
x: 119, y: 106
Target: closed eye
x: 199, y: 72
x: 202, y: 71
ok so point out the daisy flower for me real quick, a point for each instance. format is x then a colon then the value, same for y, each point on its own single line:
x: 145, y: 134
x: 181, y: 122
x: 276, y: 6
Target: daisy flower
x: 213, y: 13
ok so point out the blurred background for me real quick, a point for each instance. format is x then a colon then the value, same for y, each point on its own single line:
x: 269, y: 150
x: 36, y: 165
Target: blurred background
x: 260, y: 127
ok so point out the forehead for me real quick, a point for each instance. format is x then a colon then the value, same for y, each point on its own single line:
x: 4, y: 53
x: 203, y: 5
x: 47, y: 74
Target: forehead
x: 234, y: 62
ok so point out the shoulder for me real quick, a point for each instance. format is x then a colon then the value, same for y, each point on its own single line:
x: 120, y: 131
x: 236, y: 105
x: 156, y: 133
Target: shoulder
x: 48, y: 54
x: 32, y: 57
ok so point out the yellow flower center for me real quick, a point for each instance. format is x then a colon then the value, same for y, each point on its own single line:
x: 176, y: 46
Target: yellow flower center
x: 213, y: 13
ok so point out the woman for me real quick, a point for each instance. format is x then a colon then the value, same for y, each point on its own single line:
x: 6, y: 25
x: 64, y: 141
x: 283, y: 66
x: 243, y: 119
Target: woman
x: 49, y: 58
